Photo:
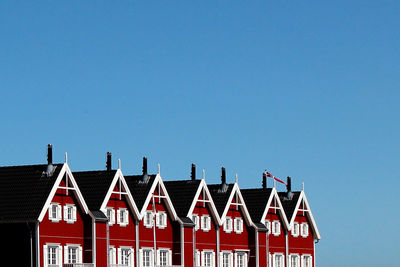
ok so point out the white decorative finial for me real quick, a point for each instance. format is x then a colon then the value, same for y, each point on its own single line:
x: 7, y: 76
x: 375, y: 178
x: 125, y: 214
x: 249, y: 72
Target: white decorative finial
x: 302, y: 185
x: 119, y: 163
x: 66, y: 157
x: 204, y: 174
x: 159, y: 169
x: 237, y: 178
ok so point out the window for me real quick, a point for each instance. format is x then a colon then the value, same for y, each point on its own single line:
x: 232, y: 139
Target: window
x: 207, y: 259
x: 294, y: 260
x: 122, y: 217
x: 228, y: 225
x: 125, y: 256
x: 278, y: 260
x: 268, y: 225
x: 113, y: 255
x: 147, y: 255
x: 304, y: 229
x: 295, y: 230
x: 161, y: 219
x: 72, y: 253
x: 195, y: 219
x: 55, y: 212
x: 110, y: 213
x: 164, y: 257
x: 226, y: 259
x: 69, y: 213
x: 276, y: 228
x: 205, y: 223
x: 52, y: 255
x: 238, y: 225
x: 306, y: 261
x: 241, y: 259
x: 148, y: 219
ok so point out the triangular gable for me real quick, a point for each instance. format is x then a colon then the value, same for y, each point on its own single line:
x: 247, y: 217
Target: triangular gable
x: 239, y: 202
x: 163, y: 193
x: 307, y: 210
x: 120, y: 182
x: 71, y: 185
x: 203, y: 189
x: 275, y: 197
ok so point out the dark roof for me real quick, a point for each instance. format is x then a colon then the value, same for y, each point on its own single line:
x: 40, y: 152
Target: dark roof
x: 182, y: 194
x: 94, y: 186
x: 289, y: 205
x: 139, y: 189
x: 256, y: 201
x: 24, y: 191
x: 220, y: 197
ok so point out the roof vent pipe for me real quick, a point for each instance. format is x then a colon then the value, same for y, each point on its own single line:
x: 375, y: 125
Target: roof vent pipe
x: 49, y: 154
x: 108, y: 163
x: 193, y: 172
x: 223, y: 176
x: 289, y: 188
x: 264, y: 181
x: 144, y: 170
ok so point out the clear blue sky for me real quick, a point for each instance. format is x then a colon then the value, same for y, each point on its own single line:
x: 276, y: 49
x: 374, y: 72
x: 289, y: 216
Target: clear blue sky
x: 302, y: 88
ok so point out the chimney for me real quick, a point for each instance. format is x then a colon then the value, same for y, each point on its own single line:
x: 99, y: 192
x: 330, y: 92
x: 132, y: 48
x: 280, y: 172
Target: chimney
x: 289, y: 188
x: 145, y: 177
x: 108, y: 163
x: 49, y: 154
x: 223, y: 176
x: 193, y: 172
x: 264, y: 181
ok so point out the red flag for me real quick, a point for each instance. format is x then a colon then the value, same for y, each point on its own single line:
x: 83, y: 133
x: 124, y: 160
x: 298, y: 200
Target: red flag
x: 276, y: 179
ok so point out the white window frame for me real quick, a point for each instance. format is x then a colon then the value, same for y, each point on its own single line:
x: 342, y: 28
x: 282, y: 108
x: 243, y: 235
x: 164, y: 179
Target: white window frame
x: 79, y: 253
x: 125, y: 217
x: 130, y: 258
x: 296, y: 258
x: 296, y: 229
x: 196, y: 221
x: 303, y: 260
x: 161, y: 219
x: 57, y: 214
x: 113, y: 255
x: 110, y: 214
x: 72, y: 208
x: 206, y: 223
x: 281, y: 257
x: 168, y: 256
x: 268, y: 225
x: 304, y: 229
x: 276, y: 228
x: 239, y: 254
x: 148, y: 219
x: 229, y: 255
x: 142, y: 252
x: 204, y: 255
x: 58, y: 255
x: 238, y: 225
x: 228, y: 225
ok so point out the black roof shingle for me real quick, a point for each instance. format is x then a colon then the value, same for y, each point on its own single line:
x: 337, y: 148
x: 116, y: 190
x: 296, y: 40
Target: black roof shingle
x: 256, y: 201
x: 182, y: 194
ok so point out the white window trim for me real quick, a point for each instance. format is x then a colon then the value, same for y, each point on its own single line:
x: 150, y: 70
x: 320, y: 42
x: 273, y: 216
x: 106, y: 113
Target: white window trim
x: 268, y: 225
x: 276, y: 233
x: 161, y: 224
x: 246, y: 255
x: 113, y: 255
x: 59, y: 253
x: 141, y: 263
x: 230, y: 258
x: 126, y: 217
x: 212, y: 257
x: 303, y: 233
x: 169, y: 256
x: 296, y: 229
x: 196, y: 221
x: 58, y: 212
x: 150, y: 224
x: 205, y: 223
x: 297, y: 256
x: 228, y: 227
x: 79, y: 255
x: 303, y: 259
x: 131, y: 255
x: 238, y: 222
x: 66, y: 207
x: 111, y: 220
x: 282, y: 257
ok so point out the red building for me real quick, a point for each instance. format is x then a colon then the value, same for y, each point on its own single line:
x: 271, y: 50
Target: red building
x: 52, y: 217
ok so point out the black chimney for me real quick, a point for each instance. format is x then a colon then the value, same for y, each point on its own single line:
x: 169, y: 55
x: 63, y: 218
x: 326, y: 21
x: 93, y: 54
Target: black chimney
x: 289, y: 184
x: 144, y: 167
x: 223, y: 176
x: 264, y: 181
x: 193, y: 172
x: 108, y: 163
x: 49, y: 154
